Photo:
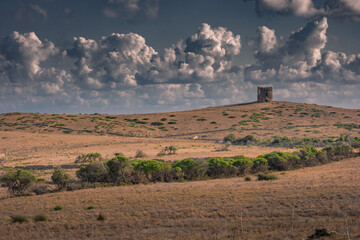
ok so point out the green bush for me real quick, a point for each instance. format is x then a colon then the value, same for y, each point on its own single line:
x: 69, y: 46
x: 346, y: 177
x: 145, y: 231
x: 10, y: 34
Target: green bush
x: 260, y: 165
x: 281, y: 160
x: 119, y: 170
x: 192, y: 169
x: 243, y: 164
x: 40, y: 218
x: 93, y: 172
x: 60, y: 178
x: 58, y: 208
x: 229, y: 138
x: 339, y: 152
x: 90, y: 157
x: 247, y: 179
x: 17, y: 181
x: 219, y: 167
x: 157, y: 123
x: 18, y: 219
x: 90, y: 207
x: 267, y: 177
x: 154, y: 170
x: 140, y: 154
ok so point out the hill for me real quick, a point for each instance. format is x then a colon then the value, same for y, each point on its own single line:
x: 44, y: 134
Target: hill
x: 290, y: 208
x: 261, y: 119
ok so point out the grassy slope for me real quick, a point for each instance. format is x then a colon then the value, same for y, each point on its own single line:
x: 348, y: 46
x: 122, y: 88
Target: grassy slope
x: 261, y: 119
x: 290, y: 208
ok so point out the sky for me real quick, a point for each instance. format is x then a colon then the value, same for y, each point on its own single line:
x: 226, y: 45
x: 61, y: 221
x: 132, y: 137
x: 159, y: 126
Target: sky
x: 141, y: 56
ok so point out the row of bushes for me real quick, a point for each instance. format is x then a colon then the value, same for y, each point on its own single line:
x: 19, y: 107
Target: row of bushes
x: 291, y: 142
x: 121, y: 170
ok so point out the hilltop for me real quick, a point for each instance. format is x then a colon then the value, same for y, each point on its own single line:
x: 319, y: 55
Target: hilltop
x: 261, y: 119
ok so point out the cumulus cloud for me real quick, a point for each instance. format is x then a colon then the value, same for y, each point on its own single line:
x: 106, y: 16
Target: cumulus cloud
x: 294, y: 58
x: 343, y: 9
x: 302, y: 70
x: 21, y: 54
x: 122, y: 73
x: 111, y: 63
x: 203, y: 57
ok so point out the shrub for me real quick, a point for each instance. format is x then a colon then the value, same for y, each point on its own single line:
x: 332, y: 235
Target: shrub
x: 192, y: 168
x: 100, y: 217
x: 157, y: 123
x: 58, y: 208
x: 339, y: 152
x: 2, y: 159
x: 281, y: 160
x: 40, y: 218
x: 93, y: 172
x: 90, y: 207
x: 163, y: 119
x: 119, y: 169
x: 154, y: 170
x: 224, y: 147
x: 17, y: 181
x: 67, y: 131
x: 18, y: 219
x: 266, y: 177
x: 247, y: 179
x: 229, y: 138
x: 260, y: 165
x: 60, y: 178
x: 310, y: 156
x: 221, y: 167
x: 172, y: 149
x: 243, y: 164
x: 167, y: 150
x: 140, y: 154
x: 90, y: 157
x: 245, y: 140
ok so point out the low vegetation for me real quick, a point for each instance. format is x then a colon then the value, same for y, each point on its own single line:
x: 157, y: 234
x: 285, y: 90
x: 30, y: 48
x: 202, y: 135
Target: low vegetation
x: 17, y: 181
x: 290, y: 142
x: 121, y: 170
x: 90, y: 157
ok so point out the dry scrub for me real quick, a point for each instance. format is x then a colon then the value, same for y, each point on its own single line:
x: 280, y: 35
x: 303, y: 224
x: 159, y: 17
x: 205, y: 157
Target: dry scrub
x: 292, y: 207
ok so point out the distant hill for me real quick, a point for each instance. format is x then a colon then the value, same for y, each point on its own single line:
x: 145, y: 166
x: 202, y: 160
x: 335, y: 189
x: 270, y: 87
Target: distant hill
x: 263, y: 120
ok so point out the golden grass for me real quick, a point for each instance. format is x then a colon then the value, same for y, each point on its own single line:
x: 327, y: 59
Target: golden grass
x: 326, y: 196
x: 279, y: 118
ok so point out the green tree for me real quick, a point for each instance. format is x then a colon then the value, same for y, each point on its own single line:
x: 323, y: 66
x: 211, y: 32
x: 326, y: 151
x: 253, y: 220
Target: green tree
x: 17, y: 181
x: 60, y: 178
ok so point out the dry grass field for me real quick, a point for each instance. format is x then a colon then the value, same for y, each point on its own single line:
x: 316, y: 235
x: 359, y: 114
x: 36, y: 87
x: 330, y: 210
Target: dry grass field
x: 292, y: 207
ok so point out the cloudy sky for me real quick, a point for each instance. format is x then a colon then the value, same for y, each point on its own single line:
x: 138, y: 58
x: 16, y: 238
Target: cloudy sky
x: 135, y: 56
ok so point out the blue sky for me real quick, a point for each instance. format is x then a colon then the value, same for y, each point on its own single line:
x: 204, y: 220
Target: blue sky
x: 133, y: 56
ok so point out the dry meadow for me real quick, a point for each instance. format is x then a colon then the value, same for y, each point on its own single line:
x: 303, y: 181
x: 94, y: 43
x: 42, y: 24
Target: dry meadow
x: 292, y: 207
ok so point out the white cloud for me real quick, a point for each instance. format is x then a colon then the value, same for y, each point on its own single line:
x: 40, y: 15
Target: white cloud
x: 121, y: 73
x: 343, y: 9
x: 113, y: 62
x: 39, y: 10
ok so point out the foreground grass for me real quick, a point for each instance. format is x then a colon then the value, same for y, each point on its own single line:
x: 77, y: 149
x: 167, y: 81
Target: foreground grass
x: 292, y: 207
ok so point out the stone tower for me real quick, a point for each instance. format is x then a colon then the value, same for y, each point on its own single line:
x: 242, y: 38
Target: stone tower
x: 264, y: 94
